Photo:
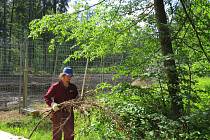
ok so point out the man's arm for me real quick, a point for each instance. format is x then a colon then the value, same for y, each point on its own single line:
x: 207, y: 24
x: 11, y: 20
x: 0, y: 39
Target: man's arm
x: 76, y: 94
x: 48, y: 97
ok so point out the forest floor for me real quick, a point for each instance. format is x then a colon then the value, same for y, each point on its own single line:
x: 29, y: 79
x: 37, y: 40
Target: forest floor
x: 15, y: 116
x: 10, y: 116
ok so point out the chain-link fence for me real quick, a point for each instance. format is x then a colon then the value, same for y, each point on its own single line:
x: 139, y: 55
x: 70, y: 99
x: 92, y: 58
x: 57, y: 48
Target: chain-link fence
x: 28, y: 69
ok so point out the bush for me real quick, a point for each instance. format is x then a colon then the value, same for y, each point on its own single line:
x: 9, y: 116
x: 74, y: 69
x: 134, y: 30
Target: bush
x: 143, y: 116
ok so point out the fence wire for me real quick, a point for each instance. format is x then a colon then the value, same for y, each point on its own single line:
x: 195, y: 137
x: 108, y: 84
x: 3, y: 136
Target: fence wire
x: 27, y: 69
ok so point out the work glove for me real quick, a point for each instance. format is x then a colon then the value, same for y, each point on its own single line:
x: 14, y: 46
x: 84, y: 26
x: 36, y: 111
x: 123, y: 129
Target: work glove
x: 55, y: 106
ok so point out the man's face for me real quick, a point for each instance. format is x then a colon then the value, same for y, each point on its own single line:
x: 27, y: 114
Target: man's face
x: 67, y: 78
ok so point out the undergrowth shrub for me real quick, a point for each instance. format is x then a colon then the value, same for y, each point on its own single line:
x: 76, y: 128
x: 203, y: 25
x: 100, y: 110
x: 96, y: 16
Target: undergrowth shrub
x: 142, y: 114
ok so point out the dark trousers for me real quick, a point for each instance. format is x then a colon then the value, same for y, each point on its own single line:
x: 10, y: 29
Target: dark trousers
x: 58, y: 120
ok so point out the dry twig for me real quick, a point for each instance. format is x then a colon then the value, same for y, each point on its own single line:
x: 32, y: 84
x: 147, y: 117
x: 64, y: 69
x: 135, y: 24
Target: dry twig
x: 83, y: 106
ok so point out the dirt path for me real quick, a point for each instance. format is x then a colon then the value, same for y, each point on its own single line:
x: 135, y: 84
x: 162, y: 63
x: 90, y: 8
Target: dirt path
x: 8, y: 136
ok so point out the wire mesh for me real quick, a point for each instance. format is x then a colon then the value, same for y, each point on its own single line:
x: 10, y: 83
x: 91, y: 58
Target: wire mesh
x: 41, y: 68
x: 10, y: 74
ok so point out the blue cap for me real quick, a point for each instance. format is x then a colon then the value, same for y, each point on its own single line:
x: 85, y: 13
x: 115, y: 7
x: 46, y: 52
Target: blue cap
x: 68, y: 71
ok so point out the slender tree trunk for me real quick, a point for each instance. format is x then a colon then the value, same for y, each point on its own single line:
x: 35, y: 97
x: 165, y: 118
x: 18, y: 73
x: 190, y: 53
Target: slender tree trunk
x: 54, y: 6
x: 29, y: 40
x: 44, y: 37
x: 5, y: 38
x: 5, y: 22
x: 30, y: 44
x: 11, y: 19
x: 10, y: 29
x: 55, y: 50
x: 169, y: 62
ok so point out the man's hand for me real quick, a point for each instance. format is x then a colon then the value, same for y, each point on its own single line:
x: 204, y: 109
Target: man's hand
x: 55, y: 106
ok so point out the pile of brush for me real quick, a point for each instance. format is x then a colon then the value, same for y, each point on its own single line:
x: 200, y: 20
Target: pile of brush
x: 84, y: 106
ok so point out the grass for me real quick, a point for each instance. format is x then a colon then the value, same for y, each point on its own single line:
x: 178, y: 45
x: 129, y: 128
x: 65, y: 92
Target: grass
x: 22, y: 125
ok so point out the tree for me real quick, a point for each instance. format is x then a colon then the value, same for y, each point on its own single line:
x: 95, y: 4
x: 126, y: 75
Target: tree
x: 169, y: 62
x: 114, y: 29
x: 5, y: 36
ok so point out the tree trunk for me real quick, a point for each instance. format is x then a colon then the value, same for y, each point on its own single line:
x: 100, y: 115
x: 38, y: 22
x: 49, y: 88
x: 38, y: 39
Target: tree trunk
x: 55, y: 49
x: 5, y: 66
x: 44, y: 37
x: 54, y: 6
x: 30, y: 44
x: 169, y: 62
x: 11, y: 19
x: 10, y: 30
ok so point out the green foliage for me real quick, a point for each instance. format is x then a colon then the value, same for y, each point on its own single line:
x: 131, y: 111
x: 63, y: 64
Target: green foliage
x: 196, y: 125
x: 104, y: 33
x: 203, y: 93
x: 142, y: 114
x: 203, y: 83
x: 98, y: 125
x: 201, y: 69
x: 114, y: 30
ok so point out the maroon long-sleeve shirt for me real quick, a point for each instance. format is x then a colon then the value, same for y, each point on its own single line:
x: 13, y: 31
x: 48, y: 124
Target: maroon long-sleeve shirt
x: 59, y: 93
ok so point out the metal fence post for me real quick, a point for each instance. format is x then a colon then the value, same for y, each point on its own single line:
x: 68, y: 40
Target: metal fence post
x: 20, y: 76
x: 83, y: 83
x: 25, y: 76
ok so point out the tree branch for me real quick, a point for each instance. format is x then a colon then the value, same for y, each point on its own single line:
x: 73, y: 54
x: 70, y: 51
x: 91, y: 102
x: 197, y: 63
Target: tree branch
x: 180, y: 29
x: 196, y: 32
x: 87, y: 8
x: 49, y: 112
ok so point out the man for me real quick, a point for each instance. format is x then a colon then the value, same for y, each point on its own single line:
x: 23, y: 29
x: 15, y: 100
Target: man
x: 61, y: 91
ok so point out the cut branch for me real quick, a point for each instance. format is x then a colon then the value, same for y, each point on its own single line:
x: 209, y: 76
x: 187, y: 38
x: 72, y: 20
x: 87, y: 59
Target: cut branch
x: 84, y: 106
x: 32, y: 132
